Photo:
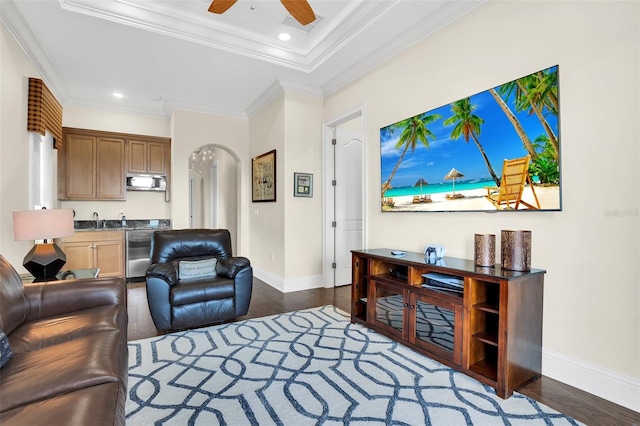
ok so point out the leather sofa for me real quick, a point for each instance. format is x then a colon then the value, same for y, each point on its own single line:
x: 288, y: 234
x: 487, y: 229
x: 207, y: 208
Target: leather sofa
x: 68, y: 348
x: 218, y: 289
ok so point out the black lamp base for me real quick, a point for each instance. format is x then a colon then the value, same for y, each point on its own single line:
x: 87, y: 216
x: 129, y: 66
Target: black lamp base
x: 44, y: 261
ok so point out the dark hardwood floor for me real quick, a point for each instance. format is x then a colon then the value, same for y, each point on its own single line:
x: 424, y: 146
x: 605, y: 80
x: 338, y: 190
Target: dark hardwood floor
x: 266, y: 300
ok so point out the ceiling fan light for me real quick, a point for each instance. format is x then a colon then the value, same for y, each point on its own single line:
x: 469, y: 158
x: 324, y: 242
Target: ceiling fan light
x: 284, y: 36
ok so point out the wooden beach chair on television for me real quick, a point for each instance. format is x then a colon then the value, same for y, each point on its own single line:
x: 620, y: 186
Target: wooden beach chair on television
x: 515, y: 177
x: 421, y: 198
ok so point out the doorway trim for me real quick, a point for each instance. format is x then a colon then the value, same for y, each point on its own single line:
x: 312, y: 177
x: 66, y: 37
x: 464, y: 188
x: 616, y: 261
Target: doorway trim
x: 328, y: 240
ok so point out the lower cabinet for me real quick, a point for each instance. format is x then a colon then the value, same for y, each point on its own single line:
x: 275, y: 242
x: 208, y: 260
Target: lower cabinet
x: 95, y: 249
x: 485, y: 322
x: 435, y: 324
x: 430, y: 321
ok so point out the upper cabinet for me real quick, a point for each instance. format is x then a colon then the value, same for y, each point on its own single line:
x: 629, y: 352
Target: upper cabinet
x: 92, y: 168
x: 93, y: 165
x: 145, y: 156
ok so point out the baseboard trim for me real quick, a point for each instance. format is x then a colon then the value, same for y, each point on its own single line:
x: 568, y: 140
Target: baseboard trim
x: 273, y: 280
x: 604, y: 383
x: 304, y: 283
x: 288, y: 285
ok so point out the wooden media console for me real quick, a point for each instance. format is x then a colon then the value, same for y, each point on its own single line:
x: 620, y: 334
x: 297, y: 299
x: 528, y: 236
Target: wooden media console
x: 483, y: 321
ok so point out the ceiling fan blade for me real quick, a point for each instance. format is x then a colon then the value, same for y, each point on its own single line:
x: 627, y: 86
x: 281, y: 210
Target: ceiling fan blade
x: 301, y: 10
x: 221, y: 6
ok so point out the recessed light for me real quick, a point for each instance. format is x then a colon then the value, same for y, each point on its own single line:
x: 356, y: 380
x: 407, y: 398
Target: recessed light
x: 284, y: 36
x: 118, y: 95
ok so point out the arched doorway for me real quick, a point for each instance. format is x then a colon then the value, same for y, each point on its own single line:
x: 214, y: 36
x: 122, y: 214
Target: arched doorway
x: 213, y: 189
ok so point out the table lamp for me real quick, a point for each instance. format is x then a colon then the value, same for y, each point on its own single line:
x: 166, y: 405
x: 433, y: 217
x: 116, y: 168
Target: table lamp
x: 44, y: 261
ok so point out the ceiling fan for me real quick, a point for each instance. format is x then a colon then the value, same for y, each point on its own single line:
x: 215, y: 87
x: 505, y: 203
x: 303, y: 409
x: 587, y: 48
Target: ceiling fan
x: 299, y: 9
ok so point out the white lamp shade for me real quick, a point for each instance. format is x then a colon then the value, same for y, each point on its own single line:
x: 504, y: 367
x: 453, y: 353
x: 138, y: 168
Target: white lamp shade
x: 42, y: 224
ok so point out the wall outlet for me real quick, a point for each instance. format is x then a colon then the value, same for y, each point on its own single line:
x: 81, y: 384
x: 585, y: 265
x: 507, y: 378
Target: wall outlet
x: 273, y: 258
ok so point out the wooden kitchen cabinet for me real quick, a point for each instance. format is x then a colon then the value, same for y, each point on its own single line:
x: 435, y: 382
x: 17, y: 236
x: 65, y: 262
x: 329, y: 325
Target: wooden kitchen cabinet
x: 145, y: 156
x: 95, y: 249
x: 91, y: 167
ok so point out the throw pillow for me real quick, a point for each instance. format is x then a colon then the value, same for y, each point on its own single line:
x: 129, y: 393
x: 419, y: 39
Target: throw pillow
x: 188, y: 270
x: 5, y: 349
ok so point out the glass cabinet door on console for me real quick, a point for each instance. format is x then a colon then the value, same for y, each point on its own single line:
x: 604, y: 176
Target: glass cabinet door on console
x: 436, y: 325
x: 388, y: 308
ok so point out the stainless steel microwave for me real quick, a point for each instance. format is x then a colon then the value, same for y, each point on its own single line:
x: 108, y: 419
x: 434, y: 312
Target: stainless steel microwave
x: 141, y: 182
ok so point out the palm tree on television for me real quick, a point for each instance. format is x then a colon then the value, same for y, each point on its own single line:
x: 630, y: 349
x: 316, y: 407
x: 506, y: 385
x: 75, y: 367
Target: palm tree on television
x: 414, y: 131
x: 528, y: 145
x: 538, y: 94
x: 467, y: 125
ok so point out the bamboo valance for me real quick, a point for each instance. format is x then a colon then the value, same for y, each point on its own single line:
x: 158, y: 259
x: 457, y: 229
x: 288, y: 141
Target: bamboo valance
x: 45, y: 112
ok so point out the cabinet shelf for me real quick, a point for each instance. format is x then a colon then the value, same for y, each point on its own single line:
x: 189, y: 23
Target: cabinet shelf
x: 487, y: 307
x: 388, y: 277
x: 486, y: 369
x: 486, y: 337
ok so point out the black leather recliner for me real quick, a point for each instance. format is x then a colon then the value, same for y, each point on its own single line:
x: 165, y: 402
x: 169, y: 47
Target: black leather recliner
x: 195, y: 295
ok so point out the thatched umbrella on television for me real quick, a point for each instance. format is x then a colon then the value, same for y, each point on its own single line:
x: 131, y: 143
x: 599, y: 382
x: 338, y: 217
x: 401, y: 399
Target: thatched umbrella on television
x: 453, y: 174
x: 420, y: 182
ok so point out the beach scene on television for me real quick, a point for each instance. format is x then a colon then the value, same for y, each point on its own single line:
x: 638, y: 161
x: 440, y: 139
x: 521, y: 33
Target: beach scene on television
x: 498, y: 150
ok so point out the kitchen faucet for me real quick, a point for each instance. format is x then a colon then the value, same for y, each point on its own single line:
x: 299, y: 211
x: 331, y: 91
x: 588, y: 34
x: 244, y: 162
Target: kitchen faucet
x: 97, y: 216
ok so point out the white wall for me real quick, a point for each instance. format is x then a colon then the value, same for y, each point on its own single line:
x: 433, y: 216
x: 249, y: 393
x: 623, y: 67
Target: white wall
x: 14, y: 144
x: 115, y: 121
x: 227, y: 189
x: 303, y: 216
x: 266, y: 220
x: 591, y: 249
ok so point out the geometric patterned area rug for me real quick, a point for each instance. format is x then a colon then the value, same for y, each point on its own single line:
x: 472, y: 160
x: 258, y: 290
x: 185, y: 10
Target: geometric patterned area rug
x: 307, y: 368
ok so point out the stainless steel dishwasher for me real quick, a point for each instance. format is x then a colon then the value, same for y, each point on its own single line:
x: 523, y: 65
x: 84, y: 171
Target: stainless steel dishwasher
x: 138, y: 252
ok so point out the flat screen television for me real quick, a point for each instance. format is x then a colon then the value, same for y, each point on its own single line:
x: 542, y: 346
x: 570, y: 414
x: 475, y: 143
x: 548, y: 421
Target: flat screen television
x: 497, y: 150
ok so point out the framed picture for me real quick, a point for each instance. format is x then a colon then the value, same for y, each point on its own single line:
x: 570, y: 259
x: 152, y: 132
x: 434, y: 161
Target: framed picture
x: 263, y: 177
x: 302, y: 185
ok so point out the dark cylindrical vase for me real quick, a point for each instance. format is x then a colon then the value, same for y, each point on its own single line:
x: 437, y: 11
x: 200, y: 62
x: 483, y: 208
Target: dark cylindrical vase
x: 484, y: 249
x: 516, y: 250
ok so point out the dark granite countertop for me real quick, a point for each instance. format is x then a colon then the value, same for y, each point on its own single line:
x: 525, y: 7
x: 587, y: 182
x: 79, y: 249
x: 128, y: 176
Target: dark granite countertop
x: 116, y: 225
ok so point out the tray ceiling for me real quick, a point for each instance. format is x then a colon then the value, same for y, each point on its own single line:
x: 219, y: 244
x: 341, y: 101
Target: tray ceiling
x: 174, y: 54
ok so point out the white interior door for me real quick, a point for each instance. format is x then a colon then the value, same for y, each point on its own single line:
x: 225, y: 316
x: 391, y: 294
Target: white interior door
x: 348, y: 201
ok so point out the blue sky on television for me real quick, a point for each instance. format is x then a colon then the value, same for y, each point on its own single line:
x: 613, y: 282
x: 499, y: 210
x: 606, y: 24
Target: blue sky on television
x: 498, y: 138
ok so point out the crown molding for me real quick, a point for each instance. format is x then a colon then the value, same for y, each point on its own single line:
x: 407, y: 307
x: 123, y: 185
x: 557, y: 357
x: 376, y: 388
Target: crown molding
x: 446, y: 14
x: 276, y: 89
x: 171, y: 105
x: 16, y: 26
